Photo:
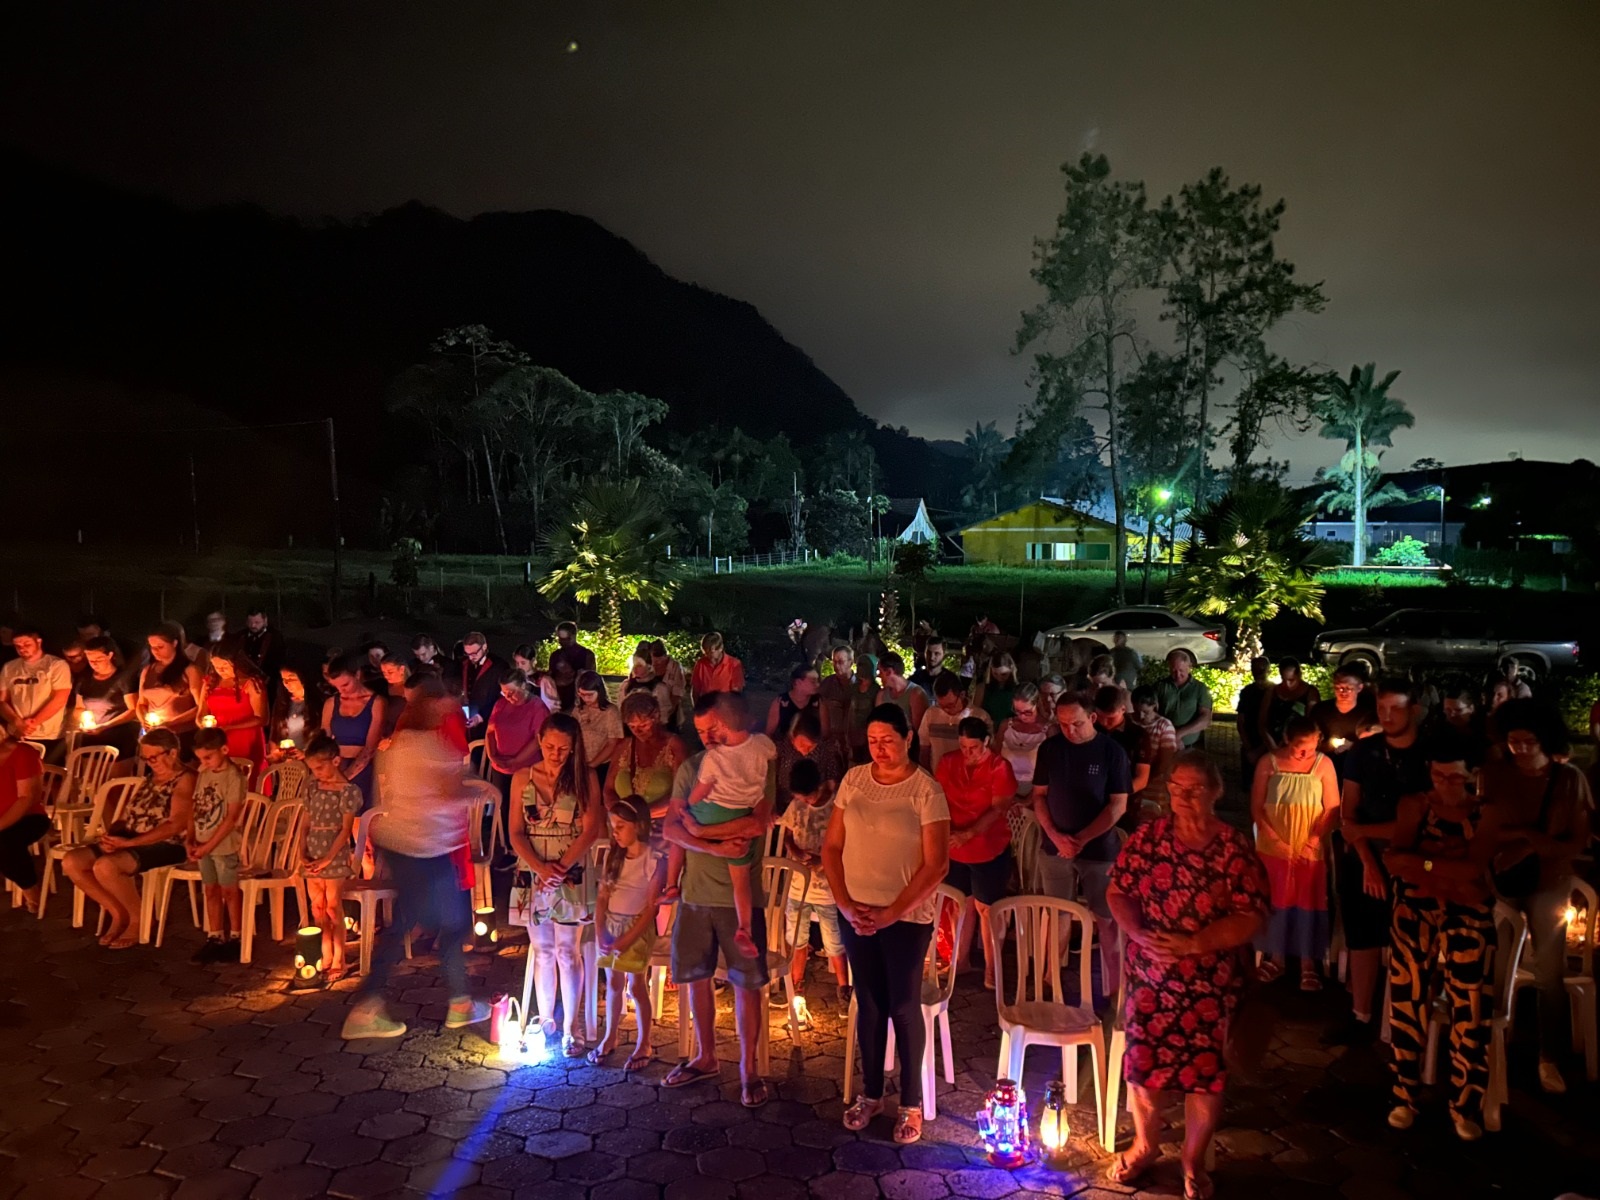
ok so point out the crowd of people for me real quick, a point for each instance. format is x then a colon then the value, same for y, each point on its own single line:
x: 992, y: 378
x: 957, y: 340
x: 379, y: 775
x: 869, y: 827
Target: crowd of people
x: 1393, y: 810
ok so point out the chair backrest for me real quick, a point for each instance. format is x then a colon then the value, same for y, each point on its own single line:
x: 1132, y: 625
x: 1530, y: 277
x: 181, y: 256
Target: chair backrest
x: 256, y: 807
x: 777, y: 877
x: 478, y: 758
x: 87, y: 768
x: 54, y: 787
x: 1044, y: 926
x: 245, y: 767
x: 774, y: 847
x: 277, y: 839
x: 594, y: 866
x: 1585, y: 902
x: 109, y: 802
x: 949, y: 901
x: 363, y: 831
x: 1511, y: 941
x: 481, y: 799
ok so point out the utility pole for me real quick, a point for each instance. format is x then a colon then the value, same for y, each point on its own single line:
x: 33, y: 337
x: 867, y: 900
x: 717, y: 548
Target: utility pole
x: 338, y: 536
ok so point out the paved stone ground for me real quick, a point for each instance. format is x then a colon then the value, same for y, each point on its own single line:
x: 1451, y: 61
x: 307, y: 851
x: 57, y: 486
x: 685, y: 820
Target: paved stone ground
x: 136, y: 1074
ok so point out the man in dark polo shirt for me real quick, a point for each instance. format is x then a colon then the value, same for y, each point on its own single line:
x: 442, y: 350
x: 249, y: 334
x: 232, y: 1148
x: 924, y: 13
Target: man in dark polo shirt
x: 1081, y: 782
x: 707, y: 921
x: 1378, y: 771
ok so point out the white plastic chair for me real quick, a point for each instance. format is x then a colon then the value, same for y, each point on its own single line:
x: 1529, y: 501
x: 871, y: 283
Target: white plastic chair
x: 777, y: 876
x: 273, y: 866
x: 1035, y: 1011
x: 936, y: 993
x: 288, y: 780
x: 1580, y: 984
x: 482, y: 803
x: 1511, y: 935
x: 1026, y: 842
x: 369, y: 893
x: 87, y: 768
x: 253, y: 813
x: 108, y: 804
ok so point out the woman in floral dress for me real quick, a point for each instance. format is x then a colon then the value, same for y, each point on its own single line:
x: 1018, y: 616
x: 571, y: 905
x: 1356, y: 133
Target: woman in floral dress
x: 1190, y: 895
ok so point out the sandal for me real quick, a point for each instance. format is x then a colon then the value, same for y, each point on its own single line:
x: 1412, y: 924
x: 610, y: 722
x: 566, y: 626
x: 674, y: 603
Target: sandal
x: 754, y: 1094
x: 686, y: 1073
x: 639, y: 1060
x: 1128, y: 1170
x: 859, y: 1115
x: 1310, y: 981
x: 1269, y: 970
x: 126, y: 942
x: 572, y: 1046
x: 1197, y: 1185
x: 908, y: 1126
x: 597, y: 1056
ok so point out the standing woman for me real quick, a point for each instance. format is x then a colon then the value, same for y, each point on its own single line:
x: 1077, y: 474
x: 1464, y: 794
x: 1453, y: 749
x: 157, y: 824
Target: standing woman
x: 886, y: 851
x: 647, y: 761
x: 1295, y: 801
x: 1292, y: 697
x: 980, y: 789
x: 1020, y: 735
x: 1539, y: 812
x: 997, y: 688
x: 168, y: 685
x: 601, y: 722
x: 802, y: 696
x: 562, y: 818
x: 234, y: 695
x: 353, y: 717
x: 1189, y: 894
x: 105, y: 699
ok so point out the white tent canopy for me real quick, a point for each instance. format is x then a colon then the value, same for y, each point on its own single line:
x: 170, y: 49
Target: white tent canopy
x: 921, y: 531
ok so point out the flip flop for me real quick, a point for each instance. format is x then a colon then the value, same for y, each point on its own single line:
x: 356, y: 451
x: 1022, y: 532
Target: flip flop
x: 123, y: 943
x: 686, y: 1073
x: 754, y: 1094
x: 597, y: 1056
x: 1268, y: 971
x: 1198, y: 1186
x: 638, y: 1060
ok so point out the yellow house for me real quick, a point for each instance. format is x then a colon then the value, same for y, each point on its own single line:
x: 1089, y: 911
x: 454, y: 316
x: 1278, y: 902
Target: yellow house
x: 1041, y: 533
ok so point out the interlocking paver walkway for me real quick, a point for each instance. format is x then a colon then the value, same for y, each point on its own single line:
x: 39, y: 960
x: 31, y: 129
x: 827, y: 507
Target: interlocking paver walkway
x: 137, y: 1074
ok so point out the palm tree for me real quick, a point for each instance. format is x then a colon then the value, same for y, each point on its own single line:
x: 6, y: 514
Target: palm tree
x: 1247, y: 561
x: 1341, y: 484
x: 1360, y: 411
x: 613, y: 549
x: 985, y: 451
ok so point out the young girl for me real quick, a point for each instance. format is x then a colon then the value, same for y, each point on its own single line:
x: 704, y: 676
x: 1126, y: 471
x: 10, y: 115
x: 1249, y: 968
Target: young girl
x: 625, y: 921
x: 331, y: 807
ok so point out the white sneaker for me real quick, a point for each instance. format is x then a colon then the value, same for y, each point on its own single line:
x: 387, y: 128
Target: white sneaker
x: 1401, y: 1117
x: 1467, y: 1131
x: 1550, y: 1078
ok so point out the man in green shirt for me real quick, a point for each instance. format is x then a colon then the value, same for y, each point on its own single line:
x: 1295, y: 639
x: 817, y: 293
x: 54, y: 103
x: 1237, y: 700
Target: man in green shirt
x: 706, y: 923
x: 1183, y: 699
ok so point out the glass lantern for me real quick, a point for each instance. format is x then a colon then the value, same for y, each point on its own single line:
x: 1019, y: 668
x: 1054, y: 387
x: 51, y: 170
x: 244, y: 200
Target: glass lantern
x: 1054, y: 1129
x: 1003, y: 1124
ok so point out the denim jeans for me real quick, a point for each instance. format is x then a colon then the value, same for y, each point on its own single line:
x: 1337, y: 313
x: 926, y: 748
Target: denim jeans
x: 1546, y: 913
x: 428, y: 894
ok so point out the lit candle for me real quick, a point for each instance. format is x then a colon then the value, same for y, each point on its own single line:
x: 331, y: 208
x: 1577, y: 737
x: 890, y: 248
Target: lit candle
x: 86, y: 719
x: 286, y: 744
x: 208, y: 722
x: 1054, y: 1124
x: 153, y: 718
x: 1336, y: 743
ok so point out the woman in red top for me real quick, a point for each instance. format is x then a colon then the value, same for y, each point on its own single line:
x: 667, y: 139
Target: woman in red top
x: 22, y: 817
x: 980, y: 788
x: 233, y: 697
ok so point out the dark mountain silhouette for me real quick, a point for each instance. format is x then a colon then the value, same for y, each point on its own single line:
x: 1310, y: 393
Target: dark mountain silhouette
x: 263, y: 318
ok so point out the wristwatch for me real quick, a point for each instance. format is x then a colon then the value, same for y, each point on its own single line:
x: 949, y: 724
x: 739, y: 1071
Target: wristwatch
x: 1427, y: 864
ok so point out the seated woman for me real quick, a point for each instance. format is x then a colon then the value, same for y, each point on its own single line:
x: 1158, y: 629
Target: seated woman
x: 105, y: 696
x: 1190, y: 895
x: 233, y: 698
x: 168, y: 686
x: 22, y: 817
x: 147, y: 834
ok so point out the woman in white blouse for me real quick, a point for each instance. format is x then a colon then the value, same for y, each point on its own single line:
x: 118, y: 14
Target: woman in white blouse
x: 887, y: 850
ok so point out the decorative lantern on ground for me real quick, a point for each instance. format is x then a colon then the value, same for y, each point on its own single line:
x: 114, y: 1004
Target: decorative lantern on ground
x: 308, y: 975
x: 520, y: 1041
x: 1054, y: 1130
x: 1003, y: 1124
x: 484, y: 931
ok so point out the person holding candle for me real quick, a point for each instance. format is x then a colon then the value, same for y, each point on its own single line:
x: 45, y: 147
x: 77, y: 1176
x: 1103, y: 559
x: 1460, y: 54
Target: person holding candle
x: 353, y: 717
x: 168, y: 685
x: 105, y: 699
x: 1351, y: 717
x: 886, y: 851
x: 1189, y: 895
x: 233, y: 698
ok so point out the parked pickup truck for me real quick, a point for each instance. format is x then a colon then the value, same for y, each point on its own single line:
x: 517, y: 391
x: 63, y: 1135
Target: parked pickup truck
x: 1425, y: 637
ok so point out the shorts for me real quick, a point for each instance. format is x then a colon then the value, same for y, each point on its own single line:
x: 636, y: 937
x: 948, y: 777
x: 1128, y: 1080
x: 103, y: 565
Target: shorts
x: 635, y: 960
x: 797, y: 921
x: 220, y: 870
x: 985, y: 882
x: 1062, y: 878
x: 148, y: 858
x: 702, y: 932
x: 709, y: 812
x: 1365, y: 919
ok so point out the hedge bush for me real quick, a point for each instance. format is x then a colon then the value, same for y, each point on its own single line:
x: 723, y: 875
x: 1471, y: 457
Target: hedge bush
x: 614, y: 656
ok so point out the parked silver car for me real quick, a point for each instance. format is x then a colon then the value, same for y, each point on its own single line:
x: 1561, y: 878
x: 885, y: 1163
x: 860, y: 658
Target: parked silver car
x: 1154, y: 632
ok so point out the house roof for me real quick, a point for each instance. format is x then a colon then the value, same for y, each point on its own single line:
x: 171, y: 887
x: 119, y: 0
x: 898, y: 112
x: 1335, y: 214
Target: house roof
x: 1066, y: 512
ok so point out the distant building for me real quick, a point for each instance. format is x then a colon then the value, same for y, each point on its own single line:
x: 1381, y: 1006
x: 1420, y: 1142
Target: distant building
x: 1044, y: 532
x: 1394, y: 522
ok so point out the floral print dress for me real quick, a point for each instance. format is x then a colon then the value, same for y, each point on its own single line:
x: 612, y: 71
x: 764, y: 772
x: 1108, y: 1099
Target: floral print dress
x: 1176, y: 1014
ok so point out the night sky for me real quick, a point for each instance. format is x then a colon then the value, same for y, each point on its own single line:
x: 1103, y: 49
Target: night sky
x: 871, y: 176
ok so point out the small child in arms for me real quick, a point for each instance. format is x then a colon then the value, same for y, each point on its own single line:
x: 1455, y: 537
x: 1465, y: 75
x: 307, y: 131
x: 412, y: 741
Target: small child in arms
x: 732, y: 781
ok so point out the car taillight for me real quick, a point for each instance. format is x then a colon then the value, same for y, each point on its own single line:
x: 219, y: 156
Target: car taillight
x: 1212, y: 635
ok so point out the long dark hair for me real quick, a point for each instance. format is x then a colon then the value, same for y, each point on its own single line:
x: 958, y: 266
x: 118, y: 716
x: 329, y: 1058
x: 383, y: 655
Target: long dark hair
x: 638, y: 814
x: 171, y: 675
x: 231, y: 650
x: 590, y: 681
x: 574, y: 776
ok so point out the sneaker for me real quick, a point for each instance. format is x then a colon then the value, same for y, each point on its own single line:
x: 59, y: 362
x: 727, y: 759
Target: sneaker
x: 371, y: 1023
x: 1550, y: 1078
x: 1401, y: 1117
x: 1466, y: 1130
x: 464, y: 1013
x: 1351, y: 1033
